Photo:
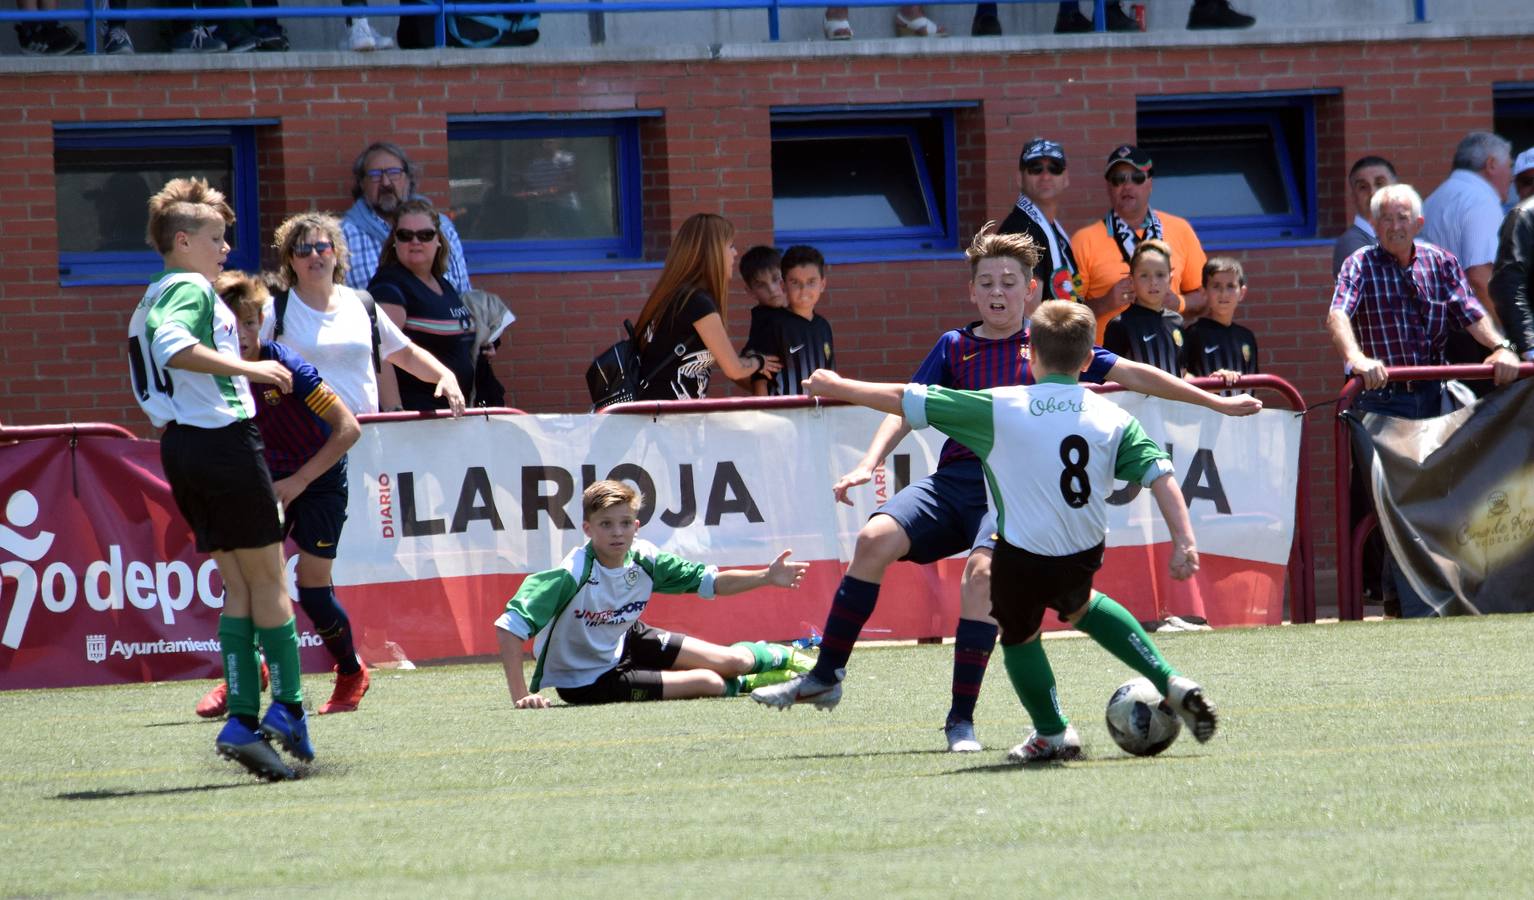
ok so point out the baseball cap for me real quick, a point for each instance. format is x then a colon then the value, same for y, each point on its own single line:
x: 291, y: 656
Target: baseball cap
x: 1524, y: 162
x: 1129, y: 153
x: 1041, y: 148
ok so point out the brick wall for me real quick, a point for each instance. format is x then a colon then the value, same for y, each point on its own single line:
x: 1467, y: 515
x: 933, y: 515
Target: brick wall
x: 62, y: 358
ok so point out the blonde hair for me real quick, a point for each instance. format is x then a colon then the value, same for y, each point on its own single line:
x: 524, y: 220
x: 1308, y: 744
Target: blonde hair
x: 695, y: 261
x: 990, y: 245
x: 607, y: 494
x: 390, y: 255
x: 184, y: 205
x: 1061, y: 334
x: 1152, y: 245
x: 291, y: 233
x: 243, y: 294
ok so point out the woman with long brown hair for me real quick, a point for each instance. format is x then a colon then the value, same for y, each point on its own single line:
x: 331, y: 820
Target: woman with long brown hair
x: 682, y: 326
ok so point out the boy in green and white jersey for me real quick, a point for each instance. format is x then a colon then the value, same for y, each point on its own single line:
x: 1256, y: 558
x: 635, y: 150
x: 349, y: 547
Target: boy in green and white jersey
x: 1051, y: 452
x: 591, y: 645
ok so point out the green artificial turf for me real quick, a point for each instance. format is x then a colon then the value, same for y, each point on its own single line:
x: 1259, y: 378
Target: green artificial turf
x: 1372, y: 759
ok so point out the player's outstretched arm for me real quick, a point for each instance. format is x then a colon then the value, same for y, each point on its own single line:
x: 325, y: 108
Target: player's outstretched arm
x: 199, y: 358
x: 782, y: 573
x: 872, y: 394
x: 1150, y: 380
x: 1169, y: 500
x: 511, y: 661
x: 891, y: 432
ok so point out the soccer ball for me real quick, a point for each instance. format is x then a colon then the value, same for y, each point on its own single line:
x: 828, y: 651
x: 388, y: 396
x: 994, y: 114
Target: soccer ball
x: 1140, y: 720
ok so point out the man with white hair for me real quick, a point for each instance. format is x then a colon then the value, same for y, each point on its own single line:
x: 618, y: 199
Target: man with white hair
x: 1404, y: 295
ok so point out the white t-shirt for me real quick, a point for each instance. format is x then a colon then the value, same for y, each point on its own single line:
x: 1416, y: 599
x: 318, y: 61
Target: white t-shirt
x: 1463, y: 217
x: 339, y: 344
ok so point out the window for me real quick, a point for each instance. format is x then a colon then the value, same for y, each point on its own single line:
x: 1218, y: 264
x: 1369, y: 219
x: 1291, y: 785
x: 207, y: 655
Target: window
x: 1240, y: 169
x: 105, y: 175
x: 545, y: 192
x: 865, y: 182
x: 1513, y: 114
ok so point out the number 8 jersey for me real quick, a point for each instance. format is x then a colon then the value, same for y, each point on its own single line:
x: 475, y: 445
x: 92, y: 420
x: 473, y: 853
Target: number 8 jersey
x: 1051, y: 452
x: 177, y: 311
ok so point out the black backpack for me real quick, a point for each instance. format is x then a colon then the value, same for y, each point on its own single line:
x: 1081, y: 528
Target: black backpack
x: 280, y: 304
x: 614, y: 376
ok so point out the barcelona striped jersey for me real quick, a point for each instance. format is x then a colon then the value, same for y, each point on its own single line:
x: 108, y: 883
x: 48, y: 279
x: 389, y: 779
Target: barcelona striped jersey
x: 291, y: 425
x: 964, y: 360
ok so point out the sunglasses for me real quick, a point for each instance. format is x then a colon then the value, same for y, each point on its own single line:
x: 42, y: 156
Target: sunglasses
x: 1118, y: 178
x: 380, y: 174
x: 1037, y: 168
x: 406, y: 236
x: 304, y: 250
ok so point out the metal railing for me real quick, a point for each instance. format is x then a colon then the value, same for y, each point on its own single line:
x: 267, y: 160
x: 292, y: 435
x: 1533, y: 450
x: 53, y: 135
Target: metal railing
x: 91, y: 16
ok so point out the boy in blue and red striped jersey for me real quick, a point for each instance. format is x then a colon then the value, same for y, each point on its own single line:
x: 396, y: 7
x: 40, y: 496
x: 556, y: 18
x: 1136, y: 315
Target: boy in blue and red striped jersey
x: 940, y: 515
x: 305, y: 435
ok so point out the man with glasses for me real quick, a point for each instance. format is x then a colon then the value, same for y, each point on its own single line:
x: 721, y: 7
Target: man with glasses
x: 1512, y: 278
x: 383, y: 178
x: 1041, y: 181
x: 1104, y: 248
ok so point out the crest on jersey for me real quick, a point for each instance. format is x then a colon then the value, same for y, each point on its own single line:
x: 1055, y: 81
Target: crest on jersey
x: 631, y: 577
x: 271, y: 395
x: 1177, y: 336
x: 1246, y: 352
x: 1024, y: 353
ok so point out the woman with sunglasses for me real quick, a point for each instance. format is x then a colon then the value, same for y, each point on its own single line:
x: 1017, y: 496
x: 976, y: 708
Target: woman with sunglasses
x: 413, y: 292
x: 1103, y: 249
x: 681, y: 328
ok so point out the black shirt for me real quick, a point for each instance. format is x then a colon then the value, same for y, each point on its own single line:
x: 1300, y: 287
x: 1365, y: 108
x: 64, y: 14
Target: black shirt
x: 675, y: 353
x: 1147, y: 336
x: 803, y: 345
x: 1019, y: 222
x: 440, y: 324
x: 1209, y: 346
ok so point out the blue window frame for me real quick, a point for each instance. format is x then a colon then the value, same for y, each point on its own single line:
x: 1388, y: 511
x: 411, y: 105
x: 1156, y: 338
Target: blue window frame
x: 105, y: 174
x: 1240, y: 168
x: 865, y: 182
x: 546, y: 192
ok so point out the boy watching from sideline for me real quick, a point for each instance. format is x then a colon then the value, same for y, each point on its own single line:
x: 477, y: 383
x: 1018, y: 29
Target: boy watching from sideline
x: 1034, y: 568
x: 1215, y: 346
x: 797, y: 334
x: 761, y: 270
x: 1148, y: 332
x: 189, y: 378
x: 591, y: 646
x: 306, y: 435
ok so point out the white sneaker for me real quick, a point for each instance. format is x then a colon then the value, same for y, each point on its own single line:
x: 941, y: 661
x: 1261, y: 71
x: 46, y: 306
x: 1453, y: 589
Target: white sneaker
x: 804, y: 689
x: 359, y: 37
x: 1196, y: 712
x: 380, y: 41
x: 961, y: 737
x: 1047, y: 748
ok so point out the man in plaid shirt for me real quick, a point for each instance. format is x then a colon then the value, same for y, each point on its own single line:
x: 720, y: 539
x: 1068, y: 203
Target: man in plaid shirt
x: 1404, y: 294
x: 383, y: 178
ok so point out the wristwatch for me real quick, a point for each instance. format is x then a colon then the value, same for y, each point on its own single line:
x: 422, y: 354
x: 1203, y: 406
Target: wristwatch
x: 1508, y: 345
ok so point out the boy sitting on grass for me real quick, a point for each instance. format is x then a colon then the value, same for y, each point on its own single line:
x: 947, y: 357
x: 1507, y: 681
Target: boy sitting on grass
x: 1052, y: 451
x: 592, y: 647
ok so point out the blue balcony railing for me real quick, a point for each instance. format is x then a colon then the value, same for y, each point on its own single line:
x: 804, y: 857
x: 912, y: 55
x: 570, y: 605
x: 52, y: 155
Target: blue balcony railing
x: 89, y: 15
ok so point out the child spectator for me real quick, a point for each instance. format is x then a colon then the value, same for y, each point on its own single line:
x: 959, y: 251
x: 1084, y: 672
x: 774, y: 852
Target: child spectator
x: 189, y: 378
x: 1036, y: 569
x: 1147, y: 332
x: 1214, y: 345
x: 797, y: 335
x: 592, y: 647
x: 306, y: 436
x: 761, y: 270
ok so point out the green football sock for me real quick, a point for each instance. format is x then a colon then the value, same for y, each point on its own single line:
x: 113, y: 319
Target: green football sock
x: 242, y: 665
x: 281, y: 646
x: 732, y: 687
x: 765, y: 656
x: 1111, y: 626
x: 1034, y: 680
